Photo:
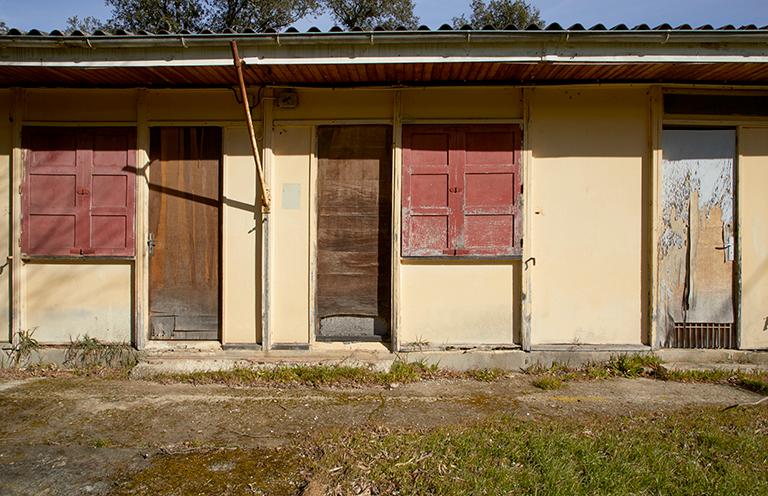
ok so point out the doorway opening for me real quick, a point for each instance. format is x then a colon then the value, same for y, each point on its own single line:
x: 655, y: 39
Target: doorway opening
x: 697, y: 245
x: 354, y: 208
x: 184, y: 233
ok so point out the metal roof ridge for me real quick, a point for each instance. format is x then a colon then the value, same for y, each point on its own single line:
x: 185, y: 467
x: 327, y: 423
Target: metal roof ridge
x: 400, y: 30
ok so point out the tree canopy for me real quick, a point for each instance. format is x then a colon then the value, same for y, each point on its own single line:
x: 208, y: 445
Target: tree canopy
x: 500, y: 14
x: 368, y: 14
x: 259, y: 15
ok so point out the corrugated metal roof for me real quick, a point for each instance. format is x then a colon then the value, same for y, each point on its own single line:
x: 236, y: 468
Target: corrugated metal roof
x: 706, y: 28
x: 534, y: 55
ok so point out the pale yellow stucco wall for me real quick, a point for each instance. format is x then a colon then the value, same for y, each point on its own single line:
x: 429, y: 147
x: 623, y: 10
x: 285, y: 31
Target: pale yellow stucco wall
x: 753, y: 230
x: 324, y: 104
x: 5, y: 213
x: 66, y: 301
x: 80, y: 106
x: 462, y: 103
x: 194, y: 105
x: 590, y: 148
x: 241, y: 291
x: 459, y: 303
x: 289, y: 242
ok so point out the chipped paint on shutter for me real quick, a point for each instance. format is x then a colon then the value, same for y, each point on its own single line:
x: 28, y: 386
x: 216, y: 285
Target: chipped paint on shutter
x: 78, y: 193
x: 461, y: 188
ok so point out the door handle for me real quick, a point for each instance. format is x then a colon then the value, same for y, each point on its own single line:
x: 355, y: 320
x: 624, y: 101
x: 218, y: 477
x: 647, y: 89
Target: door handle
x: 151, y: 244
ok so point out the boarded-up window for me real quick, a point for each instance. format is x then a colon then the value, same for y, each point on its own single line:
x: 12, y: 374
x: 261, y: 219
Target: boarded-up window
x: 461, y: 189
x: 78, y: 194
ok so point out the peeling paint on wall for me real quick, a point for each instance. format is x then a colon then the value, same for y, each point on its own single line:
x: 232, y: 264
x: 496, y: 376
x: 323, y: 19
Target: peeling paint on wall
x: 696, y: 246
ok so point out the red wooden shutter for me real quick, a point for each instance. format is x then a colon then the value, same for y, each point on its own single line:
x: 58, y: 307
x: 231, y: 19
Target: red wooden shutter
x: 113, y: 165
x: 461, y: 186
x: 54, y: 211
x: 491, y: 190
x: 78, y: 194
x: 427, y: 178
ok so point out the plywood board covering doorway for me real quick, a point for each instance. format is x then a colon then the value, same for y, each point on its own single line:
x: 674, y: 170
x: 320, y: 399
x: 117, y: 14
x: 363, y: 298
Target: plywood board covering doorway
x: 354, y: 233
x: 697, y: 247
x: 184, y: 230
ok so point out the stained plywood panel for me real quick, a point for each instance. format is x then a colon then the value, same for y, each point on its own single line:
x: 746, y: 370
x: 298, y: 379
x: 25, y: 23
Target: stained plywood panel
x: 184, y: 203
x: 353, y: 230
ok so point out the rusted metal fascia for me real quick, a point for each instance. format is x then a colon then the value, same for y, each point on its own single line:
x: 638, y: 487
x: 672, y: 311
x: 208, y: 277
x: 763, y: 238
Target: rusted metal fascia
x: 265, y: 199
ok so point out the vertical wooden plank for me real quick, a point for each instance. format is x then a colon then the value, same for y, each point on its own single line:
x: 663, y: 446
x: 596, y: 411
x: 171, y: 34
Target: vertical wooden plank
x: 314, y: 318
x: 657, y: 117
x: 527, y: 211
x: 397, y: 171
x: 141, y: 265
x: 18, y: 311
x: 266, y: 225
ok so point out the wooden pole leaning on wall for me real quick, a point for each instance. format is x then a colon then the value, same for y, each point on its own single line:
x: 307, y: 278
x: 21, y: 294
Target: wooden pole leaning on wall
x: 265, y: 199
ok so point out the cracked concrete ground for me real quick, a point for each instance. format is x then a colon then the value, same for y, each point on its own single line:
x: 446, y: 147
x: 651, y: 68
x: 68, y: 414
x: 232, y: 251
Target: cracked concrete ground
x: 70, y: 435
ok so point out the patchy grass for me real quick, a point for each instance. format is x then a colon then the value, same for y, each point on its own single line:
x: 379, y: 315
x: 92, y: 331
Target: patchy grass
x: 401, y: 372
x: 486, y: 375
x: 548, y: 383
x: 701, y: 451
x: 645, y: 365
x: 308, y: 375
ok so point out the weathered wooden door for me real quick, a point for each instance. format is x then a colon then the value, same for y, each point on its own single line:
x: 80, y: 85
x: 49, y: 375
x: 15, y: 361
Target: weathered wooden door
x: 353, y: 230
x: 184, y: 213
x: 697, y: 244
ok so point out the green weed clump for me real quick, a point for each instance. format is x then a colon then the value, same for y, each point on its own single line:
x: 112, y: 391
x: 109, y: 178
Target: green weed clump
x: 20, y: 353
x: 548, y: 383
x: 90, y: 353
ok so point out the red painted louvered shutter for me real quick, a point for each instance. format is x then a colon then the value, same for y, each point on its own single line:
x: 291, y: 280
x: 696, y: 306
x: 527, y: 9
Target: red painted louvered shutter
x: 461, y: 187
x: 78, y: 193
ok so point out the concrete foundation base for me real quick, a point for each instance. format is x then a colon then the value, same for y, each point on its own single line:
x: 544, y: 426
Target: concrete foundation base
x: 197, y: 360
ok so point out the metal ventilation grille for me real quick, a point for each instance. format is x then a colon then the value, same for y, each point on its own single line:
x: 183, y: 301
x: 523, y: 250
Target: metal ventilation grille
x: 704, y: 335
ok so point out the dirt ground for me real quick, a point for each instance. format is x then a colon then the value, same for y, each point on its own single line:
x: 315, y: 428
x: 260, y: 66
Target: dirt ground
x: 66, y: 435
